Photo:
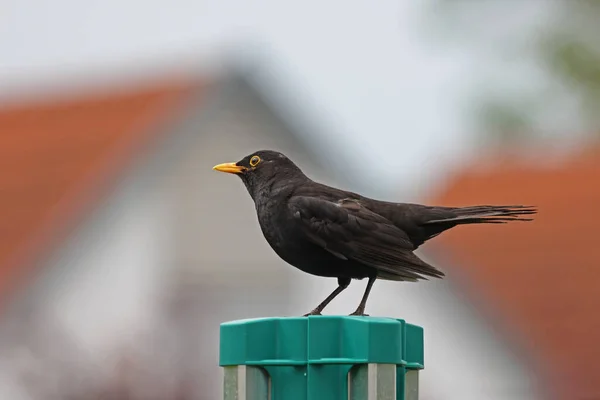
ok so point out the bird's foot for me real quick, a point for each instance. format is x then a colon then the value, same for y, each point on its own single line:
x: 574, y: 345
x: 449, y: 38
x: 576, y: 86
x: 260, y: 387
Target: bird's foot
x: 313, y: 312
x: 359, y: 313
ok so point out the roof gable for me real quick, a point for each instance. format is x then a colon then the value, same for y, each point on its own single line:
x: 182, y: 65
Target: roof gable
x: 57, y: 157
x: 543, y: 278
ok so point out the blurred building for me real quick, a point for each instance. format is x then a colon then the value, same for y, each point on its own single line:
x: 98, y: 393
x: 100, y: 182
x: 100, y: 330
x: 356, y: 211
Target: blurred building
x: 121, y: 250
x: 537, y: 284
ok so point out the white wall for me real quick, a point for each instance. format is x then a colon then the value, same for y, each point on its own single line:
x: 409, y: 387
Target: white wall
x: 95, y: 295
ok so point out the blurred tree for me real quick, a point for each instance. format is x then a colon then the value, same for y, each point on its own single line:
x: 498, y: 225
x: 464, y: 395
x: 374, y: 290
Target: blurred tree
x: 572, y: 52
x: 557, y: 44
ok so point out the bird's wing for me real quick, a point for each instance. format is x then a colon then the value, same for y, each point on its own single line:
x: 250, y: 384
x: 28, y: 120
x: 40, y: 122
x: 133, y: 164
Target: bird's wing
x: 351, y: 231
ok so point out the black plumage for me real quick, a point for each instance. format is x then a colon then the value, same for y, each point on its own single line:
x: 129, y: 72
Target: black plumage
x: 330, y: 232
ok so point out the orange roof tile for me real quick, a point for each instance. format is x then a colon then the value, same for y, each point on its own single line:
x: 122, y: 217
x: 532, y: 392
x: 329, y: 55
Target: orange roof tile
x: 56, y: 158
x: 543, y: 277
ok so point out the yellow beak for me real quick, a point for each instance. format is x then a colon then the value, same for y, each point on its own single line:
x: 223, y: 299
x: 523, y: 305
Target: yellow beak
x: 230, y: 168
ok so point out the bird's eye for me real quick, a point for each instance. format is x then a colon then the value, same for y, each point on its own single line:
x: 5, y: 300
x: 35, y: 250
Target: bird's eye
x: 254, y: 161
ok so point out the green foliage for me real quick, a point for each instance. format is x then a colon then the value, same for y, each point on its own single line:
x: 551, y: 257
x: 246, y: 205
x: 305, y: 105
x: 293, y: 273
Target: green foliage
x: 504, y: 121
x: 565, y: 44
x: 572, y: 54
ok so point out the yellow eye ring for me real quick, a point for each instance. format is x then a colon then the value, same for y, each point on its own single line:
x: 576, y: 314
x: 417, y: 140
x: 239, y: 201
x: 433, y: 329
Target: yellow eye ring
x: 254, y: 161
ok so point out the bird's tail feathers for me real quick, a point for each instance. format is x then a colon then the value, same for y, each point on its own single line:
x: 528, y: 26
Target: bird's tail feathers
x: 485, y: 214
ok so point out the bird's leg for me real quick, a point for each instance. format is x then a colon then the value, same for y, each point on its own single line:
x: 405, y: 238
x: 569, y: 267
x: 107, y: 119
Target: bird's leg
x: 342, y: 284
x: 363, y: 303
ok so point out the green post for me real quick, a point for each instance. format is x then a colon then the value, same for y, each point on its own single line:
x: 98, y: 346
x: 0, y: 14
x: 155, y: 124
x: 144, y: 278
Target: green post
x: 321, y: 358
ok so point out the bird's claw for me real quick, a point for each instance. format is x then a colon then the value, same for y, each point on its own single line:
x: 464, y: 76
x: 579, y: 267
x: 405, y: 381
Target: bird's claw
x: 359, y: 313
x: 313, y: 312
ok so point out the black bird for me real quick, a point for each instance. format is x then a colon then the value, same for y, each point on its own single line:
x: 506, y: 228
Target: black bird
x: 330, y: 232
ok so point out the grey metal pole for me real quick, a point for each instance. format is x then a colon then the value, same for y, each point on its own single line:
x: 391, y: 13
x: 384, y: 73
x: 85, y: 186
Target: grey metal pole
x: 244, y: 382
x: 411, y: 384
x: 365, y: 382
x: 373, y: 382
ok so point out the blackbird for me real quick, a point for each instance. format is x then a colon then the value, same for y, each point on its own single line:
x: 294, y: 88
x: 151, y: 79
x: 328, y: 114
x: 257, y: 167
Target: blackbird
x: 330, y: 232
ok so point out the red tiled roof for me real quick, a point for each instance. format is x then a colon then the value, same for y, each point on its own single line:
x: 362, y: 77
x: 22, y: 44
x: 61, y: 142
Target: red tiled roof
x: 542, y: 277
x: 56, y: 159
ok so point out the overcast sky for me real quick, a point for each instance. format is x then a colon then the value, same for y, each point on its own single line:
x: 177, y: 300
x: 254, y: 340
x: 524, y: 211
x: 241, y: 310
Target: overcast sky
x: 367, y: 73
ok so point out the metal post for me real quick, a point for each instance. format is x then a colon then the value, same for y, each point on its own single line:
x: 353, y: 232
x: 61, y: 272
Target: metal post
x: 373, y: 382
x: 411, y: 384
x: 321, y: 358
x: 246, y: 383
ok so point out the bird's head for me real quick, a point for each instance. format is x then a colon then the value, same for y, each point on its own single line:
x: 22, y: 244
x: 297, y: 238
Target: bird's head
x: 262, y: 169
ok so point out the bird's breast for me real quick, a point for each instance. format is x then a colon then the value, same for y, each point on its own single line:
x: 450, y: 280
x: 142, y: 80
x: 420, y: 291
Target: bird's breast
x: 281, y: 231
x: 273, y: 221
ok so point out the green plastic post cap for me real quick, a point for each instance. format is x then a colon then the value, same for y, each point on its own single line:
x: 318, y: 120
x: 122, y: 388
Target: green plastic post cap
x: 311, y: 358
x: 321, y: 340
